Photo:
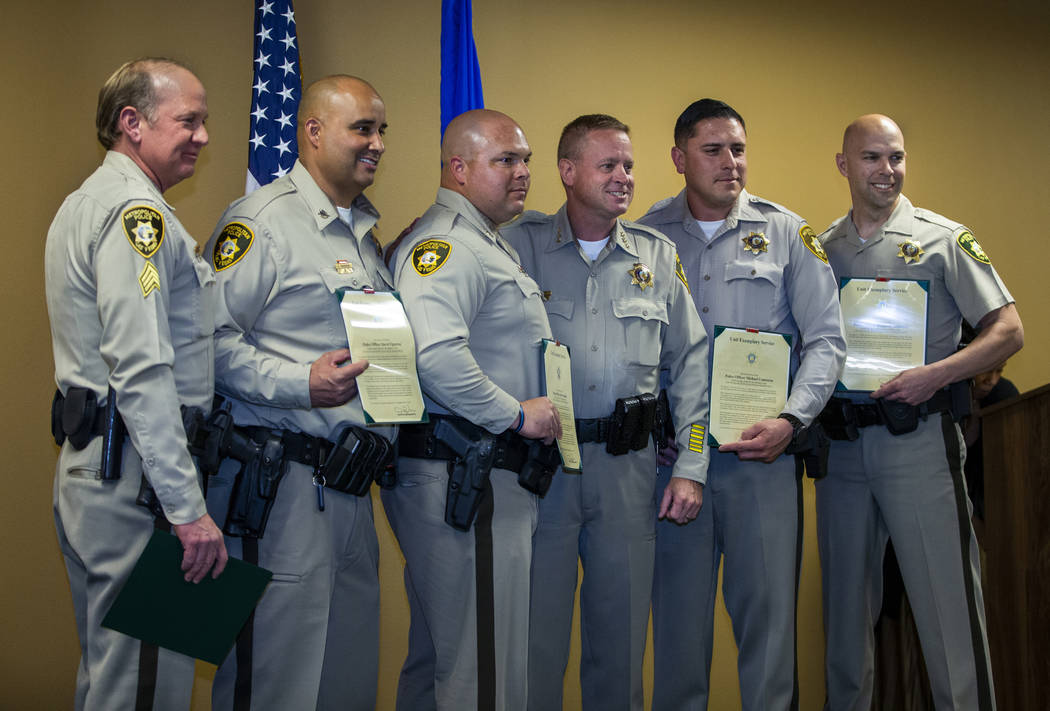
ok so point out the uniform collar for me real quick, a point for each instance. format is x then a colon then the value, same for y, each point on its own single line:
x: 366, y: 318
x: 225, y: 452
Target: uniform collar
x: 563, y: 236
x: 322, y: 208
x: 459, y: 204
x: 742, y: 211
x: 900, y: 222
x: 125, y: 166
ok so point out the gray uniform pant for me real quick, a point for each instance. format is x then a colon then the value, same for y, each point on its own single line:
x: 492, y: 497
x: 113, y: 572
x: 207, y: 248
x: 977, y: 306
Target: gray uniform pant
x: 102, y: 533
x: 909, y: 488
x: 468, y: 592
x: 751, y: 521
x: 313, y: 641
x: 604, y: 517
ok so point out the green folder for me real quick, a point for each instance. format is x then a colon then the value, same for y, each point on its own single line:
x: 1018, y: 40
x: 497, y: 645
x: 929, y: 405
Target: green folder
x: 200, y: 620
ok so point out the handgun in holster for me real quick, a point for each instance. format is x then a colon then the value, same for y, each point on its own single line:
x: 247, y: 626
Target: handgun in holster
x: 633, y: 419
x: 811, y: 447
x: 255, y: 487
x: 663, y: 427
x: 467, y: 474
x: 538, y: 471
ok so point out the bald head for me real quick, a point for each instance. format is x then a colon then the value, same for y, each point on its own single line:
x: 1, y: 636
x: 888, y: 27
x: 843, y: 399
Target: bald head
x: 867, y: 125
x: 484, y: 157
x: 342, y: 120
x: 872, y: 160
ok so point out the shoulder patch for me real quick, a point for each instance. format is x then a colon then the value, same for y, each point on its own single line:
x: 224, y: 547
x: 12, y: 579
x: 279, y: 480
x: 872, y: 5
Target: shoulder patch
x: 809, y: 238
x: 972, y: 248
x: 430, y: 255
x: 231, y: 245
x: 144, y: 227
x: 679, y: 271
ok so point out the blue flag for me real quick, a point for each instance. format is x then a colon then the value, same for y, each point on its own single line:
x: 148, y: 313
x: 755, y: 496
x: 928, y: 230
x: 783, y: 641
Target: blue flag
x: 460, y: 73
x: 277, y: 88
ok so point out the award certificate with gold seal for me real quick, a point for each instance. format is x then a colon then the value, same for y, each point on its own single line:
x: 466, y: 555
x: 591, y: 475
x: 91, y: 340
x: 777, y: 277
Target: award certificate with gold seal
x: 750, y: 372
x: 885, y: 328
x: 377, y: 330
x: 558, y: 376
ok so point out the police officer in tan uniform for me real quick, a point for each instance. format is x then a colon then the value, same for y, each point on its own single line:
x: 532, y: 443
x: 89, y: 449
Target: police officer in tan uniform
x: 751, y: 264
x: 616, y: 295
x: 478, y: 321
x: 908, y: 487
x: 281, y: 254
x: 130, y: 303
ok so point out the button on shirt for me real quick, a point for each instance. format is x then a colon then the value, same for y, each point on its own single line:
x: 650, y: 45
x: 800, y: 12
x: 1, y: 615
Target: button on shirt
x: 278, y: 308
x: 154, y: 349
x: 622, y: 327
x: 785, y: 289
x: 477, y: 318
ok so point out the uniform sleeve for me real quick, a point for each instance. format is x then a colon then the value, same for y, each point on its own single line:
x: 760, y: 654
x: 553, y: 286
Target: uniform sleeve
x: 441, y: 306
x: 134, y: 298
x: 972, y: 280
x: 245, y: 289
x: 814, y: 300
x: 683, y: 355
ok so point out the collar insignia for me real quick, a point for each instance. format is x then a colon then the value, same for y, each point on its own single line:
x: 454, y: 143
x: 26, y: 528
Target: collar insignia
x: 755, y: 242
x: 641, y: 275
x: 909, y: 251
x: 343, y: 266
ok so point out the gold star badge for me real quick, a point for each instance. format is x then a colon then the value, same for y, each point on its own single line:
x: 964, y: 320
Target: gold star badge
x: 755, y: 242
x: 909, y: 251
x: 641, y: 275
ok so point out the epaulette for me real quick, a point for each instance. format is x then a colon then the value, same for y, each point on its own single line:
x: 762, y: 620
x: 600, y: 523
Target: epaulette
x: 830, y: 232
x: 756, y: 200
x: 940, y: 220
x: 659, y: 206
x: 650, y: 231
x: 254, y: 203
x: 530, y: 217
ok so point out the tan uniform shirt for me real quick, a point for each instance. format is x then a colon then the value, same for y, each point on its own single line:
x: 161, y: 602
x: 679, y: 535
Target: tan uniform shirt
x: 130, y: 303
x: 281, y: 255
x: 477, y: 316
x: 625, y: 317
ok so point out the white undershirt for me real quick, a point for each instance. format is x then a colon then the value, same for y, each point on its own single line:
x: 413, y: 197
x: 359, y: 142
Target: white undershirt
x: 347, y: 216
x: 593, y: 249
x: 710, y: 227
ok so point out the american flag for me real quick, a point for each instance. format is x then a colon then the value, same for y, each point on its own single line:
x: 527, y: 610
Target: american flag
x: 277, y: 87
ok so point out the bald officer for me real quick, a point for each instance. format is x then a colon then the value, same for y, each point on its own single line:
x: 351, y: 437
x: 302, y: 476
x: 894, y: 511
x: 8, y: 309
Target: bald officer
x: 751, y: 264
x: 907, y: 487
x: 478, y: 321
x: 130, y: 306
x: 280, y: 255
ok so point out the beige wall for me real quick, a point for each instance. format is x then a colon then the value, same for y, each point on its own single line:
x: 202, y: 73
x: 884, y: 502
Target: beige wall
x: 971, y: 91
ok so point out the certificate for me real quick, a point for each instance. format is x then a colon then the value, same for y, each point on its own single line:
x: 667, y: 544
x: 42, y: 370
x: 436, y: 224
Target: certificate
x: 377, y: 330
x: 885, y: 322
x: 558, y: 376
x: 749, y: 379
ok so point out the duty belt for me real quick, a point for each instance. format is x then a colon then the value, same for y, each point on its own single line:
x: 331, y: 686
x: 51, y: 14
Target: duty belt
x: 595, y: 429
x: 298, y: 447
x: 868, y: 414
x: 419, y: 441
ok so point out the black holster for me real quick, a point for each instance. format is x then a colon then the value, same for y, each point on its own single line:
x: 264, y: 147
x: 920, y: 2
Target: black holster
x: 663, y: 431
x: 538, y: 471
x: 255, y: 487
x: 811, y: 447
x: 468, y: 473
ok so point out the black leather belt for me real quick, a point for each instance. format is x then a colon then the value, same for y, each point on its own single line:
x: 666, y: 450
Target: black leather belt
x: 867, y: 414
x: 419, y: 441
x: 298, y: 447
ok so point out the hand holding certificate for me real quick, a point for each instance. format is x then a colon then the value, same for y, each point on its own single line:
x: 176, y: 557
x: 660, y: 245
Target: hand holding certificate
x: 749, y: 380
x: 885, y: 331
x: 378, y: 331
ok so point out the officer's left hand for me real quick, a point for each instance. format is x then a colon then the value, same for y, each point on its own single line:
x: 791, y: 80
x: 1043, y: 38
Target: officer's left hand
x: 682, y: 500
x: 765, y: 440
x: 913, y: 386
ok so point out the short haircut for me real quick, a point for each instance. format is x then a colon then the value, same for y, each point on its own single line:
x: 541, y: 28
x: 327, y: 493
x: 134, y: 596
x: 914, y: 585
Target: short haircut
x: 133, y: 84
x: 698, y: 111
x: 578, y: 128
